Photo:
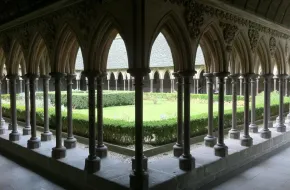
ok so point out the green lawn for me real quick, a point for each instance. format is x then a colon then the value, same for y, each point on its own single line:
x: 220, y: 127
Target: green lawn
x: 162, y: 109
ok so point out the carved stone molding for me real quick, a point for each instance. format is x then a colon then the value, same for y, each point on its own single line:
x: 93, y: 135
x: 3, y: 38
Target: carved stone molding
x: 229, y: 32
x: 272, y: 46
x: 253, y: 35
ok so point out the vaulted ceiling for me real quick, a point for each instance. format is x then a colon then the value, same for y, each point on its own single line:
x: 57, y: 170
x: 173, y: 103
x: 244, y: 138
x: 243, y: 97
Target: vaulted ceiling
x: 277, y: 11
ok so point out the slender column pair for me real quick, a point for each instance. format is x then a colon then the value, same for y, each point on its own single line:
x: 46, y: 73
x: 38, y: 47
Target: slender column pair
x: 234, y: 133
x: 178, y: 147
x: 46, y: 135
x: 266, y: 133
x: 186, y: 160
x: 210, y: 140
x: 14, y: 135
x: 34, y: 141
x: 281, y: 126
x: 253, y: 127
x: 2, y: 121
x: 27, y: 127
x: 70, y: 142
x: 93, y: 162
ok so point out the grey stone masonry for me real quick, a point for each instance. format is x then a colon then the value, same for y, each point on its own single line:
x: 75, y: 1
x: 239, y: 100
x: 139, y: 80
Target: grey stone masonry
x: 266, y: 133
x: 253, y: 127
x: 46, y: 135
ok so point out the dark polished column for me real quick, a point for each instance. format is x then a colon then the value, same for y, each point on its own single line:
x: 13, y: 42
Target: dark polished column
x: 46, y: 135
x: 33, y: 142
x: 14, y: 135
x: 178, y: 147
x: 59, y: 151
x: 139, y: 176
x: 281, y: 126
x: 220, y: 148
x: 70, y: 142
x: 210, y: 140
x: 266, y: 133
x: 101, y: 149
x: 2, y: 121
x: 246, y: 140
x: 253, y: 127
x: 186, y: 160
x: 93, y: 162
x: 234, y: 133
x: 27, y: 127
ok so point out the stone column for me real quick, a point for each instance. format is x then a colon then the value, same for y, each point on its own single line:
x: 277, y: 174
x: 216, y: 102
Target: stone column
x: 14, y: 135
x: 253, y: 127
x: 270, y: 123
x: 241, y: 85
x: 151, y: 85
x: 116, y: 84
x: 281, y: 126
x: 77, y: 81
x: 8, y: 84
x: 257, y: 84
x: 178, y: 147
x: 266, y: 133
x: 70, y: 142
x: 275, y: 82
x: 173, y: 88
x: 101, y: 149
x: 46, y: 135
x: 20, y: 85
x: 210, y: 140
x: 2, y: 121
x: 27, y: 128
x: 186, y: 161
x: 246, y: 140
x: 129, y: 84
x: 194, y: 86
x: 226, y: 85
x: 161, y: 85
x: 124, y: 85
x: 59, y: 151
x: 286, y: 86
x: 220, y: 148
x: 139, y: 162
x: 33, y: 142
x: 93, y: 162
x: 197, y: 86
x: 86, y: 87
x: 234, y: 133
x: 108, y: 84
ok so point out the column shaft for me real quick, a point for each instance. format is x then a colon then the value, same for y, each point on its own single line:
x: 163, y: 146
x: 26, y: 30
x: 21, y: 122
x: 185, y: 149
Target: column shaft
x: 151, y: 85
x: 124, y: 85
x: 129, y: 88
x: 46, y: 135
x: 234, y: 133
x: 266, y: 133
x: 281, y: 127
x: 253, y: 127
x: 241, y: 86
x: 116, y: 84
x: 27, y: 128
x: 2, y: 121
x: 161, y: 85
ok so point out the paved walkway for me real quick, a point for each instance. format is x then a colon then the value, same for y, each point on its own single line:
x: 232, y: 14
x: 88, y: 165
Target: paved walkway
x: 270, y: 174
x: 16, y: 177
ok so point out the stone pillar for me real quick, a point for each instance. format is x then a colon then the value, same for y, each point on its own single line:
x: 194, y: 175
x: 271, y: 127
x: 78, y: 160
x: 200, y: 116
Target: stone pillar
x: 27, y: 128
x: 101, y: 149
x: 220, y: 148
x: 186, y: 161
x: 270, y: 123
x: 116, y: 84
x: 86, y: 86
x: 266, y: 133
x: 36, y: 85
x: 161, y: 85
x: 2, y: 121
x: 197, y: 86
x: 275, y: 82
x: 173, y: 89
x: 46, y: 135
x: 93, y: 162
x: 59, y: 151
x: 20, y: 85
x: 8, y: 84
x: 234, y: 133
x: 77, y: 81
x: 241, y: 85
x: 139, y: 162
x: 108, y: 84
x: 253, y: 127
x: 194, y: 86
x: 246, y: 140
x: 281, y: 126
x: 33, y: 142
x: 151, y: 85
x: 210, y: 140
x: 129, y: 84
x: 70, y: 142
x: 178, y: 147
x: 257, y: 84
x: 124, y: 85
x: 14, y: 135
x: 286, y: 86
x: 226, y: 85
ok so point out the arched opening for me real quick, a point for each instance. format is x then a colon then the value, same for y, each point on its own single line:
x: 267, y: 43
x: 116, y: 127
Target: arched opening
x: 156, y: 82
x: 167, y: 83
x: 120, y: 82
x: 112, y: 82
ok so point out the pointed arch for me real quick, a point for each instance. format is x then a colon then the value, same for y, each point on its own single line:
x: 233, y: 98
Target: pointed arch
x: 279, y: 60
x: 263, y: 56
x: 16, y: 59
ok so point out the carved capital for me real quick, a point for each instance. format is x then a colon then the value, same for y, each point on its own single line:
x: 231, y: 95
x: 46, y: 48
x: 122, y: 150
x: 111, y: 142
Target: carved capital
x: 253, y: 37
x: 272, y: 46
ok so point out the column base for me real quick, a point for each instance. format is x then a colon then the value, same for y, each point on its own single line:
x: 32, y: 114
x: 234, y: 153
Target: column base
x: 102, y: 151
x: 58, y: 153
x: 210, y: 141
x: 186, y: 162
x: 281, y: 128
x: 221, y: 150
x: 234, y: 134
x: 9, y: 126
x: 27, y: 131
x: 93, y: 165
x: 246, y: 141
x: 70, y: 143
x: 140, y: 181
x: 33, y: 143
x: 2, y: 131
x: 46, y: 136
x: 253, y: 128
x: 145, y: 163
x: 14, y: 136
x: 177, y: 150
x: 266, y: 134
x: 270, y: 124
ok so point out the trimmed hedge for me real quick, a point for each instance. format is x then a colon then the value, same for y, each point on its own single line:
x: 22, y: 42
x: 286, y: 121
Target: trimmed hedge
x: 155, y: 132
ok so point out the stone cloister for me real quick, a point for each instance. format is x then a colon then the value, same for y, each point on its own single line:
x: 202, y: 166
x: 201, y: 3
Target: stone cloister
x: 242, y: 52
